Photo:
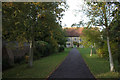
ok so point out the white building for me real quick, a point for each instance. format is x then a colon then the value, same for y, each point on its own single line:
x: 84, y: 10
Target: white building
x: 73, y: 37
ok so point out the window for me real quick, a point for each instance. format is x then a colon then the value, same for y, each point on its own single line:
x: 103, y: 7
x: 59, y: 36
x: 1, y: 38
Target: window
x: 68, y: 39
x: 74, y: 38
x: 68, y: 43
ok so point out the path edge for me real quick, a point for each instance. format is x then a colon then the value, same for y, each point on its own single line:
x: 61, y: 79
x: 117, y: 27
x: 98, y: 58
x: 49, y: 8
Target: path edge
x: 57, y: 67
x: 87, y: 65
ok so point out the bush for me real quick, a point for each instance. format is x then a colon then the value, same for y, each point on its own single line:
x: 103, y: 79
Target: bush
x: 103, y: 51
x: 100, y: 52
x: 49, y: 49
x: 61, y: 48
x: 42, y: 49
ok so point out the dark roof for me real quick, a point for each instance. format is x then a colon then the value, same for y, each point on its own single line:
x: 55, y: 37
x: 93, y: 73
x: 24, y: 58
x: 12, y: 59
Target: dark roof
x: 74, y: 32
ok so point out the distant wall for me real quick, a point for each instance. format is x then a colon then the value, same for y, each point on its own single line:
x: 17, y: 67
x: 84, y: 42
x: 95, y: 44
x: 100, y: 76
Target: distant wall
x: 13, y: 54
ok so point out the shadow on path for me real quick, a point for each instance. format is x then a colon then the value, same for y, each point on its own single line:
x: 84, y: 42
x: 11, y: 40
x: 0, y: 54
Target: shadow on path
x: 72, y: 67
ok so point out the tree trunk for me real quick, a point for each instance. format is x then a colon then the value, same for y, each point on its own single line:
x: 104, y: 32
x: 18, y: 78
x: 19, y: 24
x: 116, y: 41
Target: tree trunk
x: 91, y: 52
x: 110, y: 56
x: 31, y: 47
x: 108, y: 43
x: 31, y: 55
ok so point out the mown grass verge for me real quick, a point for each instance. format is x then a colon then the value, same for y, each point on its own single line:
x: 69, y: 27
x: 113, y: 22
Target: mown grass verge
x: 98, y: 66
x: 41, y: 68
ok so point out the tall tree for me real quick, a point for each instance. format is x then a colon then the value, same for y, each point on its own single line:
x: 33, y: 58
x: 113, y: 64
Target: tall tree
x: 101, y: 15
x: 115, y: 30
x: 29, y: 20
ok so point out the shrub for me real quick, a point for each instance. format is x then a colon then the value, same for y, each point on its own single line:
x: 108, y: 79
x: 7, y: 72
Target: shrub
x: 54, y: 45
x: 61, y: 48
x: 103, y: 51
x: 40, y: 50
x: 100, y: 52
x: 49, y: 49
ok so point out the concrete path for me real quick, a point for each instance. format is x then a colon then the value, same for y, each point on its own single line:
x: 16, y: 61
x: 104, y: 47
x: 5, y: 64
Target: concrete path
x: 72, y: 67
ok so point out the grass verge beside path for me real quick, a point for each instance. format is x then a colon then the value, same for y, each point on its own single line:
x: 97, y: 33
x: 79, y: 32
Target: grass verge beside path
x: 98, y: 66
x: 41, y: 68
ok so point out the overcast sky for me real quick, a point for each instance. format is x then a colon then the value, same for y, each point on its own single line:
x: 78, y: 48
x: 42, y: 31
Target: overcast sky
x: 72, y: 15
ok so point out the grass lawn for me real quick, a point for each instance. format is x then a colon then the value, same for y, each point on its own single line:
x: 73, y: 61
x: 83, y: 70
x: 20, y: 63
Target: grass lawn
x: 41, y: 68
x: 98, y: 66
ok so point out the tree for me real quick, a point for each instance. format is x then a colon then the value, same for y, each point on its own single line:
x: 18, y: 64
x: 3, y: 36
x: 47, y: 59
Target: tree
x: 115, y: 31
x: 29, y: 22
x: 78, y: 25
x: 101, y: 15
x: 91, y: 37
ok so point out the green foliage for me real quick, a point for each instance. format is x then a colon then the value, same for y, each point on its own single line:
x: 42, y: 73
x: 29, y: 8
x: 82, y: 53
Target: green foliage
x: 34, y: 21
x: 115, y: 33
x: 31, y: 19
x: 103, y: 51
x: 90, y: 36
x: 41, y: 49
x: 101, y: 14
x: 14, y: 15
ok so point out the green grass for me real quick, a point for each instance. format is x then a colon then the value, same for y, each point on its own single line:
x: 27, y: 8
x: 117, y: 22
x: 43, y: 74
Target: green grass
x: 41, y: 68
x: 98, y: 66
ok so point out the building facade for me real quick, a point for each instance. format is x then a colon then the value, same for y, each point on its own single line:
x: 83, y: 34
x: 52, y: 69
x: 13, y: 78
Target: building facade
x: 73, y: 37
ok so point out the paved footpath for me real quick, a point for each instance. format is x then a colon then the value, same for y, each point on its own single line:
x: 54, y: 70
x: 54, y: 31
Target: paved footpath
x: 72, y: 67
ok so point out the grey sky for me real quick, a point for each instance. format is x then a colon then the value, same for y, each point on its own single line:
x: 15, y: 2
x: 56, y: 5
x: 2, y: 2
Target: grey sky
x: 72, y: 15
